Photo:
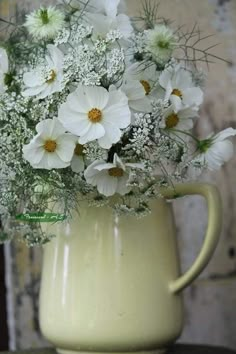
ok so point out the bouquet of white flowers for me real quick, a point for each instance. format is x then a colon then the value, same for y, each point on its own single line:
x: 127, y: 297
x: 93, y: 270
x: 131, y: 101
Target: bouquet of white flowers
x: 97, y: 106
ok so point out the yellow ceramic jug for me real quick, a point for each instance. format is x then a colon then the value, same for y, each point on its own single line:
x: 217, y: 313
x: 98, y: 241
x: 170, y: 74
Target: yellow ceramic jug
x: 112, y: 284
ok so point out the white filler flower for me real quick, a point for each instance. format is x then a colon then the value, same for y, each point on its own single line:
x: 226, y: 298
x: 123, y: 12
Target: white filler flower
x: 94, y: 113
x: 160, y: 43
x: 45, y: 23
x: 180, y: 89
x: 51, y: 148
x: 4, y: 68
x: 48, y: 79
x: 217, y: 149
x: 110, y: 178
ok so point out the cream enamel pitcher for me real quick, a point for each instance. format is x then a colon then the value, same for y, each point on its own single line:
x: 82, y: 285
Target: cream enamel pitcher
x: 112, y: 284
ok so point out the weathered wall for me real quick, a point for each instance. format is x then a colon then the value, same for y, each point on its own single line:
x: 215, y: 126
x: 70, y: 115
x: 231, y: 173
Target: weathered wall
x: 210, y: 302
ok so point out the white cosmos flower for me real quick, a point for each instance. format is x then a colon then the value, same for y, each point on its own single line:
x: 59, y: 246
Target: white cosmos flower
x: 52, y: 147
x: 45, y: 23
x: 110, y: 178
x: 181, y: 120
x: 161, y: 42
x: 216, y: 149
x: 4, y: 68
x: 179, y: 87
x: 94, y: 113
x: 147, y: 75
x: 48, y: 79
x: 77, y: 162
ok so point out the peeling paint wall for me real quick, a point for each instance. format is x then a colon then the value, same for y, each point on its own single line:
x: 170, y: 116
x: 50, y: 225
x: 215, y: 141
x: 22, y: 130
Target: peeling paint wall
x: 210, y: 302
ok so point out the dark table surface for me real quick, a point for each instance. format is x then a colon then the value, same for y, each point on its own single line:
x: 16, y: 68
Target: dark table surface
x: 176, y: 349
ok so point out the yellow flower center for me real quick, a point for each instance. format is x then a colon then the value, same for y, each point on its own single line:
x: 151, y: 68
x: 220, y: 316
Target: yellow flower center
x: 50, y: 145
x: 116, y: 172
x: 146, y: 85
x: 177, y: 92
x: 79, y: 150
x: 95, y: 115
x: 172, y: 120
x: 52, y: 76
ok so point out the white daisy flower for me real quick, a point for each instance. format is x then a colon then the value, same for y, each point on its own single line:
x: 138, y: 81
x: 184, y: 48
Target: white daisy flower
x: 180, y: 89
x: 161, y: 42
x: 4, y: 68
x: 48, y: 79
x: 147, y: 75
x: 110, y: 178
x: 45, y: 23
x: 182, y: 120
x: 52, y: 147
x: 137, y: 97
x: 216, y: 149
x: 77, y: 162
x: 94, y: 113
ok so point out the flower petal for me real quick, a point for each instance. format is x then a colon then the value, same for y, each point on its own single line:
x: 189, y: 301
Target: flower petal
x: 182, y: 79
x: 122, y: 185
x: 165, y: 77
x: 97, y: 96
x: 33, y: 153
x: 124, y: 25
x: 34, y: 91
x: 141, y: 105
x: 4, y: 64
x: 101, y: 23
x: 117, y: 111
x: 50, y: 128
x: 75, y: 122
x: 65, y: 147
x: 176, y: 102
x: 107, y: 185
x: 33, y: 79
x: 77, y: 101
x: 77, y: 164
x: 90, y: 172
x: 226, y: 133
x: 112, y: 135
x: 134, y: 90
x: 43, y: 164
x: 54, y: 161
x: 104, y: 166
x: 56, y: 57
x: 111, y: 7
x: 192, y: 96
x: 48, y: 91
x: 95, y: 131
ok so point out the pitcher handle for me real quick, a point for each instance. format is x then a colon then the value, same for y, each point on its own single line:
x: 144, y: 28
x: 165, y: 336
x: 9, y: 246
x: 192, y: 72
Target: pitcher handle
x: 212, y: 196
